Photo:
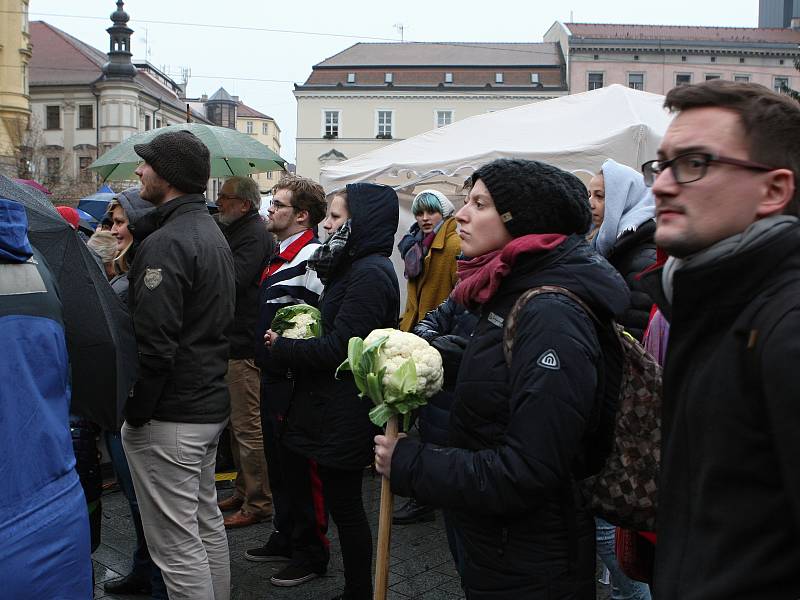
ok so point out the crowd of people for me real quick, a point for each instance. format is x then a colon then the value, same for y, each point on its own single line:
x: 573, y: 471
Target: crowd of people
x: 694, y: 256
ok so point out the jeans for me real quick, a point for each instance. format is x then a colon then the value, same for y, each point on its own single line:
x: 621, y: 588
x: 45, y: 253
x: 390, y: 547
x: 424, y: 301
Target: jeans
x: 143, y: 565
x: 622, y: 586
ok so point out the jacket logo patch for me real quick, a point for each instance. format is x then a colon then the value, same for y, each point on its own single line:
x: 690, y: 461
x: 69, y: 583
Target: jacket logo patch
x: 549, y: 360
x: 152, y: 278
x: 495, y: 319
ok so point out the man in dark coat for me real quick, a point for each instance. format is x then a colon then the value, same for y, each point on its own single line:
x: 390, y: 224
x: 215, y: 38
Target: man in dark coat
x: 181, y: 296
x: 725, y: 184
x: 251, y: 244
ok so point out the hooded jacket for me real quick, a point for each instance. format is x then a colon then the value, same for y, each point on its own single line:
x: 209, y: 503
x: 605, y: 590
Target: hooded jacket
x: 516, y: 433
x: 729, y: 490
x: 327, y: 421
x: 135, y: 208
x: 181, y: 296
x: 626, y: 238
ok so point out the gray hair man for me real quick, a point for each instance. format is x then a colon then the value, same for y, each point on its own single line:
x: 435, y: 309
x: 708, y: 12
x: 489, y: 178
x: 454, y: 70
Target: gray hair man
x: 252, y: 245
x: 181, y: 298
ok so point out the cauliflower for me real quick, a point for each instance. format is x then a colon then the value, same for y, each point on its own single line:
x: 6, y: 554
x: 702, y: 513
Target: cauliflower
x: 398, y: 371
x: 398, y: 348
x: 297, y: 322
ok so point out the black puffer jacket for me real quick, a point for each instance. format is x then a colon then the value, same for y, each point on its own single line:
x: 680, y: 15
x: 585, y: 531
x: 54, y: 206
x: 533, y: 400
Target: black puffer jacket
x: 327, y: 421
x: 251, y: 245
x: 633, y: 252
x: 515, y: 434
x: 182, y: 299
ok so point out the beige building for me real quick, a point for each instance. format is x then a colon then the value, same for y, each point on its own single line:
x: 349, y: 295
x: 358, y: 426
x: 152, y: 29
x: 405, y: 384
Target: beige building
x: 656, y: 58
x: 84, y: 102
x: 15, y: 54
x: 371, y: 95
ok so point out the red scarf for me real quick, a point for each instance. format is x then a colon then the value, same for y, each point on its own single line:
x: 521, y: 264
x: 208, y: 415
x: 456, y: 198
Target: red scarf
x: 480, y: 277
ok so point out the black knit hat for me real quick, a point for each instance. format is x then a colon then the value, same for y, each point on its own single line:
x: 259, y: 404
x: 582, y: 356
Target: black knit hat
x: 534, y: 197
x: 180, y: 158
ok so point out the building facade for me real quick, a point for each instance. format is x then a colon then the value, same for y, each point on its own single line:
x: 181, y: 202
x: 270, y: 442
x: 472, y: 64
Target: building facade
x: 15, y: 54
x: 84, y: 102
x: 656, y: 58
x: 777, y: 13
x: 371, y: 95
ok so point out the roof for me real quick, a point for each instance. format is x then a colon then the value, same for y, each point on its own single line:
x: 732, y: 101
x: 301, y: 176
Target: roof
x: 242, y: 110
x: 221, y: 95
x: 61, y: 59
x: 683, y: 32
x: 441, y: 54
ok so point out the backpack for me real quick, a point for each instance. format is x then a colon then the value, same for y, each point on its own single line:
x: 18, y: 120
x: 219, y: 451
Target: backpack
x: 622, y: 445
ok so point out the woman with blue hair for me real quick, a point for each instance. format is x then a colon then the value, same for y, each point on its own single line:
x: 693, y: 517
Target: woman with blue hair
x: 429, y: 251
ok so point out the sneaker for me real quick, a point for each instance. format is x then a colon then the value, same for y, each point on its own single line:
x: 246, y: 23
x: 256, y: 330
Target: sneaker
x: 412, y: 512
x: 293, y: 575
x: 272, y: 551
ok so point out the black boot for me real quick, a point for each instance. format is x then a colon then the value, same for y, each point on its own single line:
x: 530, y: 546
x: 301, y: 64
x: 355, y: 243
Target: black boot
x: 412, y: 512
x: 132, y: 584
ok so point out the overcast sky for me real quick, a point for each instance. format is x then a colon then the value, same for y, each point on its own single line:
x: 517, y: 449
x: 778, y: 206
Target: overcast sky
x: 261, y: 65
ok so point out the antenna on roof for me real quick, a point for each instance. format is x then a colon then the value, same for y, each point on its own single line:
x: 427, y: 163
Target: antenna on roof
x: 571, y: 18
x: 400, y: 29
x: 146, y: 39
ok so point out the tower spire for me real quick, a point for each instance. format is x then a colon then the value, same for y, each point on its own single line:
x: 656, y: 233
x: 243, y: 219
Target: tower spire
x: 119, y: 65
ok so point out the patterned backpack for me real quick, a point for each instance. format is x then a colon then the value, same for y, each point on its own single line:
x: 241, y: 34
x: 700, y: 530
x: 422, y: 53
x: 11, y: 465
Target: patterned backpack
x: 622, y: 447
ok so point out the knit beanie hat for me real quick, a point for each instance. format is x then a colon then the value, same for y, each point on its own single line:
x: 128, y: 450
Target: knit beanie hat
x: 534, y: 197
x: 180, y: 158
x: 432, y: 198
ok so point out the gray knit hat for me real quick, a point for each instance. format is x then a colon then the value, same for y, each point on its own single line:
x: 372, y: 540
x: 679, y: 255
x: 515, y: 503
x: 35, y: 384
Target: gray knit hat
x: 180, y: 158
x: 534, y: 197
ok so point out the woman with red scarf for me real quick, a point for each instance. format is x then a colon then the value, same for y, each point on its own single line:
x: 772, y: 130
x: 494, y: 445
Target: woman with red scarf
x: 518, y: 431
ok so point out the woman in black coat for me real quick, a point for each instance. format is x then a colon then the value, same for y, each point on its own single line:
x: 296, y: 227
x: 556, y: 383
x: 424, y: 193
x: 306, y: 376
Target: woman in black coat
x: 327, y: 422
x: 517, y: 428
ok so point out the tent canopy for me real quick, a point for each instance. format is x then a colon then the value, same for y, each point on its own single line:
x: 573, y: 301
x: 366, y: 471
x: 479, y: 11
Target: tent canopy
x: 576, y: 132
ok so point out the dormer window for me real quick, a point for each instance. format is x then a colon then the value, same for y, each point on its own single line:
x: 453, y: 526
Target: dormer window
x: 448, y: 78
x: 498, y: 78
x: 388, y: 77
x: 535, y: 78
x: 351, y: 78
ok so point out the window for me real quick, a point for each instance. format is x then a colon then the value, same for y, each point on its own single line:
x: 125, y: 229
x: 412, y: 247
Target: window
x: 779, y: 83
x: 53, y: 169
x: 780, y: 61
x: 158, y: 123
x: 147, y: 122
x: 265, y: 128
x: 331, y: 124
x: 498, y: 78
x: 535, y: 78
x: 448, y: 78
x: 683, y: 79
x: 388, y: 77
x: 741, y: 60
x: 710, y: 76
x: 683, y: 59
x: 385, y: 124
x: 85, y: 175
x: 53, y: 120
x: 636, y: 81
x: 85, y: 116
x: 596, y: 57
x: 635, y: 57
x: 249, y: 126
x: 444, y: 117
x: 595, y: 81
x: 742, y: 78
x: 713, y: 59
x: 351, y: 78
x: 269, y: 174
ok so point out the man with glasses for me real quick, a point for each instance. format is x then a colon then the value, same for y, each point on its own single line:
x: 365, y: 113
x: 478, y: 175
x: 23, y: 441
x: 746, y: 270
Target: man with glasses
x: 251, y: 244
x: 725, y: 184
x: 298, y: 206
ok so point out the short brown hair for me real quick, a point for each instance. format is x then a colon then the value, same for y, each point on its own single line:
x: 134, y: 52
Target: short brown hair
x: 771, y: 122
x: 307, y: 195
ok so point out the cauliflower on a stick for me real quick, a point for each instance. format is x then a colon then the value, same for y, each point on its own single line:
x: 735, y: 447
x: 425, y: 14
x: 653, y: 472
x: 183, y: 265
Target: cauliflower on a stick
x: 397, y: 370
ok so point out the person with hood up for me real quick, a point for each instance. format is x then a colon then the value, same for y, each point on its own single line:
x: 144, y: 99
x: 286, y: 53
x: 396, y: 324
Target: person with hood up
x: 145, y: 577
x: 327, y: 422
x: 429, y: 251
x: 518, y: 429
x: 43, y: 519
x: 623, y: 215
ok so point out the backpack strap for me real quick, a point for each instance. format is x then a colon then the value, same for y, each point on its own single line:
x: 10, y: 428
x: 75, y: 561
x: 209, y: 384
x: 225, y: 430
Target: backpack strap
x: 510, y: 329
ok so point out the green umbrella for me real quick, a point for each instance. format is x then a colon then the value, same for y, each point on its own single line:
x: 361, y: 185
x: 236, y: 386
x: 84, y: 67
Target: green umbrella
x: 232, y: 153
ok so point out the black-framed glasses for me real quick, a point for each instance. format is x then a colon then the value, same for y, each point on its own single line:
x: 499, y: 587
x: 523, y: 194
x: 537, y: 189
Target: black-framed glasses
x: 692, y: 166
x: 275, y: 205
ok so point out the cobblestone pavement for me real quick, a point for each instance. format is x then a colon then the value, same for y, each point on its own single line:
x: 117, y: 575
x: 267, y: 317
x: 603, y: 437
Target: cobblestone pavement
x: 421, y: 566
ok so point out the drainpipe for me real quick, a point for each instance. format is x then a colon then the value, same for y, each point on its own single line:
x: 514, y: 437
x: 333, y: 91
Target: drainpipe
x: 155, y: 111
x: 96, y: 95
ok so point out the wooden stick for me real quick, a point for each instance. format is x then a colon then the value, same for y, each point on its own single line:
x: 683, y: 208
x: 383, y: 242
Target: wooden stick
x: 385, y: 527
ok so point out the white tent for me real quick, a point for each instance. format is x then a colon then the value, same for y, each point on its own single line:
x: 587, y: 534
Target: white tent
x: 576, y: 133
x: 572, y: 132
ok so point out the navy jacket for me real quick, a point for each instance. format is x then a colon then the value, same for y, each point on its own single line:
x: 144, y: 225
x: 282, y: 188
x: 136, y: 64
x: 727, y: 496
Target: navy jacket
x: 327, y: 421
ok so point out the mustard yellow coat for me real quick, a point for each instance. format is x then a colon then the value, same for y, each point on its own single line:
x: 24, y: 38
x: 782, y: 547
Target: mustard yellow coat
x: 438, y: 277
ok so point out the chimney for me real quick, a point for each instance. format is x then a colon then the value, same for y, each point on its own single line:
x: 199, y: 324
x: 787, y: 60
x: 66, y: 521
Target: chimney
x: 795, y: 24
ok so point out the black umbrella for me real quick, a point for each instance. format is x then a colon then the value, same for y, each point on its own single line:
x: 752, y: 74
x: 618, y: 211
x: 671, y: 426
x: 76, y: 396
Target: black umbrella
x: 99, y: 331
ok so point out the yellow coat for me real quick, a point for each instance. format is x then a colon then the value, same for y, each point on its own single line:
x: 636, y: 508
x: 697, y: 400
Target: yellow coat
x: 438, y: 277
